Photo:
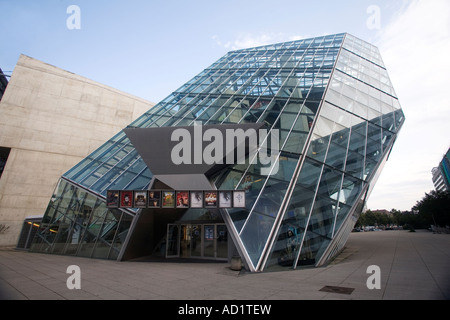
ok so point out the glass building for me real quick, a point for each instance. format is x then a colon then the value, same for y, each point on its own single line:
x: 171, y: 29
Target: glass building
x: 337, y: 114
x: 441, y: 174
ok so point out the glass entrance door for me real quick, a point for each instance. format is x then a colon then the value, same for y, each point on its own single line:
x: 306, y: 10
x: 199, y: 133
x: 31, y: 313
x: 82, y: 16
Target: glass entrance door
x: 215, y: 241
x: 209, y: 247
x: 173, y: 241
x: 209, y: 241
x: 196, y: 240
x: 222, y: 242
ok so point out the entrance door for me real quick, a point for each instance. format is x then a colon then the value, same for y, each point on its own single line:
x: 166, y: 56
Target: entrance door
x: 209, y: 239
x: 197, y: 241
x: 190, y: 241
x: 222, y: 242
x: 173, y: 241
x: 215, y: 241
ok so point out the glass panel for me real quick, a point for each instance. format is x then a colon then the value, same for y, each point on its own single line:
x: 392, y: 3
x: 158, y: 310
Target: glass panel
x: 357, y: 143
x: 285, y: 167
x: 297, y: 137
x: 252, y: 184
x: 373, y: 150
x: 369, y: 168
x: 172, y: 240
x: 106, y: 236
x: 48, y: 229
x: 94, y: 225
x: 121, y: 234
x: 330, y: 183
x: 322, y: 216
x: 255, y: 234
x: 312, y: 247
x: 337, y: 150
x: 208, y: 240
x: 386, y: 139
x: 257, y: 228
x: 351, y: 188
x: 342, y: 212
x: 222, y: 241
x: 196, y: 240
x: 238, y: 216
x: 310, y: 174
x: 270, y: 200
x: 318, y: 147
x: 185, y: 241
x: 292, y: 228
x: 82, y: 219
x: 355, y: 164
x: 69, y: 205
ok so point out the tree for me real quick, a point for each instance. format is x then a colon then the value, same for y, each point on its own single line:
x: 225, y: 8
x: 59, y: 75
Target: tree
x: 434, y: 208
x: 372, y: 218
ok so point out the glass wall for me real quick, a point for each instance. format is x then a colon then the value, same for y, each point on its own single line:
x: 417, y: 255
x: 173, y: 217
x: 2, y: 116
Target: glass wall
x: 78, y: 223
x: 354, y: 130
x: 336, y: 114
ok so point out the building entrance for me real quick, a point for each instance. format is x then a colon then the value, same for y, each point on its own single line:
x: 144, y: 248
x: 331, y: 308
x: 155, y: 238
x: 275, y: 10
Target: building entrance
x: 204, y: 241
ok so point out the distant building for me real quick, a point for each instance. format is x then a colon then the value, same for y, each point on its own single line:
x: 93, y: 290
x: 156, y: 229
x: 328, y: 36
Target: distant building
x: 382, y: 211
x: 441, y: 174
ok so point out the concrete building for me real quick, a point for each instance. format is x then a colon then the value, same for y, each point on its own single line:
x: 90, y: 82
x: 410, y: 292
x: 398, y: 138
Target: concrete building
x: 51, y: 119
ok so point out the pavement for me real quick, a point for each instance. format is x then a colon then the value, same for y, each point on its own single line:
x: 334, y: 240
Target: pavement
x: 412, y: 266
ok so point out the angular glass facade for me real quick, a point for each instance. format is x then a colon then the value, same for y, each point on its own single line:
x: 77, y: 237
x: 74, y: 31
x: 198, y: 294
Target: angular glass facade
x: 337, y: 115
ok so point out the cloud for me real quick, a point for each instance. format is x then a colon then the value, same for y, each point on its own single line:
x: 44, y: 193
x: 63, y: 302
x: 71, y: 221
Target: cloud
x: 415, y: 47
x: 248, y: 40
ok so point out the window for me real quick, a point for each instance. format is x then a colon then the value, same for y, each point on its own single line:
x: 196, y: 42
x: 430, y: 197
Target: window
x: 4, y: 154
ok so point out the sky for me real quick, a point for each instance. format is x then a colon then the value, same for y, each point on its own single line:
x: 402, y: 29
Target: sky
x: 150, y: 48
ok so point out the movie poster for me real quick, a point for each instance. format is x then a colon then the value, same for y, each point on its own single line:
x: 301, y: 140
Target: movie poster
x: 140, y: 199
x: 168, y: 199
x: 126, y: 199
x: 196, y: 199
x: 238, y: 199
x: 225, y: 199
x: 182, y: 199
x: 210, y: 199
x: 154, y: 199
x: 112, y: 199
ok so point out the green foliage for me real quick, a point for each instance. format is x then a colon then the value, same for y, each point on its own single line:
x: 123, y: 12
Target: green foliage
x: 433, y: 209
x: 370, y: 218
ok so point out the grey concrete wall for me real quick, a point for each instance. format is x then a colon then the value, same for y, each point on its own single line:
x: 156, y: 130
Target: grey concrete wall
x: 52, y: 119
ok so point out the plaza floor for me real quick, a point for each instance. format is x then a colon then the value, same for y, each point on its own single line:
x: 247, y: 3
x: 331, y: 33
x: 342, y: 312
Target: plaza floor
x: 412, y: 265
